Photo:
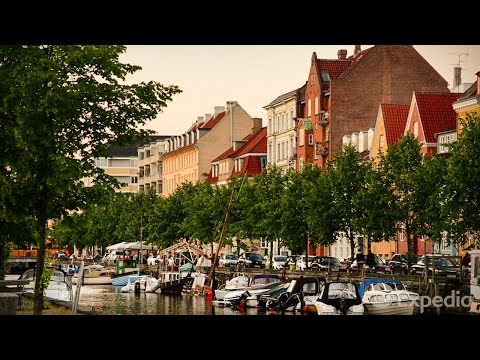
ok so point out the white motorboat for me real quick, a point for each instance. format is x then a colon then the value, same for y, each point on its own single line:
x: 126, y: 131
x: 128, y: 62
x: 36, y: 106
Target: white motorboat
x: 385, y: 296
x: 237, y: 283
x: 95, y: 275
x: 59, y: 287
x: 146, y: 283
x: 339, y: 298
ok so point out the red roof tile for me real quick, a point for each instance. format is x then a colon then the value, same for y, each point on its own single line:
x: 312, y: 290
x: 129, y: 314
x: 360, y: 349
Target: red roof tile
x: 251, y: 166
x: 229, y: 153
x: 436, y: 113
x: 335, y: 68
x: 257, y: 144
x: 213, y: 121
x: 394, y: 120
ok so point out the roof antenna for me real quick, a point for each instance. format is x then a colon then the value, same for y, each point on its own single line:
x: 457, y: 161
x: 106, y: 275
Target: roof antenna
x: 457, y: 71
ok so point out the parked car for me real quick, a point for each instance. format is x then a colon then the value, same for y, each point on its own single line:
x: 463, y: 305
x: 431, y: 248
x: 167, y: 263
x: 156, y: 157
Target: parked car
x: 301, y: 262
x: 380, y: 267
x: 251, y: 260
x: 278, y: 262
x: 399, y: 263
x: 325, y: 263
x: 227, y: 260
x: 443, y: 267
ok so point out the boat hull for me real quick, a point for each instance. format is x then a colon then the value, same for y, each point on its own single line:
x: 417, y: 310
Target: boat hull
x: 390, y: 308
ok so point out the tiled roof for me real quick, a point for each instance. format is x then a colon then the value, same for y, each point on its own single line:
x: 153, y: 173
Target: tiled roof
x: 334, y: 67
x: 436, y: 112
x: 283, y: 97
x: 256, y: 145
x: 471, y: 92
x: 230, y: 153
x: 213, y: 121
x: 394, y: 120
x: 251, y: 166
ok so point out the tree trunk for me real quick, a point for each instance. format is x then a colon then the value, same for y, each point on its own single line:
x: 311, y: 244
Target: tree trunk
x: 352, y: 247
x: 3, y: 258
x: 271, y: 254
x: 410, y: 247
x: 38, y: 295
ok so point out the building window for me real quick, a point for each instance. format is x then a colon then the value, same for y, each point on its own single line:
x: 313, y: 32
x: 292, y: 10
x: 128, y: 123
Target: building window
x: 292, y: 122
x: 270, y: 155
x: 310, y: 139
x: 316, y: 105
x: 263, y: 244
x: 263, y: 162
x: 415, y: 129
x: 270, y: 130
x: 309, y: 108
x: 133, y: 180
x: 381, y: 142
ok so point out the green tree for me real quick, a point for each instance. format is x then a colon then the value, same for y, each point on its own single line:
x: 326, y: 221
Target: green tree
x: 164, y: 225
x: 296, y: 232
x: 402, y: 166
x: 375, y: 198
x: 461, y: 195
x: 63, y: 105
x: 336, y: 210
x: 263, y: 206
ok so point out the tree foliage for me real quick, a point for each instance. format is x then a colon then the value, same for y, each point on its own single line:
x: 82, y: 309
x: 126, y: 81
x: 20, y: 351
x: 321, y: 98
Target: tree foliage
x: 63, y: 105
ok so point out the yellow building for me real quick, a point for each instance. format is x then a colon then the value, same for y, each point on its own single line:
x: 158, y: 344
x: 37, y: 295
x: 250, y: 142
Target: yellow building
x: 389, y: 127
x: 469, y: 102
x: 188, y: 157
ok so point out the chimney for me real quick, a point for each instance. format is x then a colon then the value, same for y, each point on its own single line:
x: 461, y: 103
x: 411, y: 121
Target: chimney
x: 342, y: 54
x: 457, y: 77
x: 231, y: 103
x: 218, y: 109
x: 256, y: 125
x: 357, y: 49
x: 208, y: 117
x: 478, y: 82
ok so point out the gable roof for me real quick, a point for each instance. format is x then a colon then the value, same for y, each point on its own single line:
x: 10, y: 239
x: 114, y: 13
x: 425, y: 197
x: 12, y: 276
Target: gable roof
x: 213, y: 121
x: 394, y: 119
x: 257, y: 144
x: 436, y: 113
x: 282, y: 97
x: 230, y: 153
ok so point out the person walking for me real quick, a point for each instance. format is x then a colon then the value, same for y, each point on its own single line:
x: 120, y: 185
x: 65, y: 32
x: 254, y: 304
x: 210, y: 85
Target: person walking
x: 360, y: 258
x: 370, y: 261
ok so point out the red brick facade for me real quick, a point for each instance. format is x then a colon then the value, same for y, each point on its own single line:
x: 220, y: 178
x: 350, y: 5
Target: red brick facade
x: 358, y: 85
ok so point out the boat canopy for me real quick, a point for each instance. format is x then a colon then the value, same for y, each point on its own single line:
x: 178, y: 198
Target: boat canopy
x: 367, y: 282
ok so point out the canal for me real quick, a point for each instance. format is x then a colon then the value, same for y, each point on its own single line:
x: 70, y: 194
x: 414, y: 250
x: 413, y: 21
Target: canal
x: 108, y: 298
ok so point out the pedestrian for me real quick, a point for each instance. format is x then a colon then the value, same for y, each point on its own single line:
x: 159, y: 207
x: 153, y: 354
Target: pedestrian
x: 466, y: 263
x: 360, y: 258
x: 370, y: 261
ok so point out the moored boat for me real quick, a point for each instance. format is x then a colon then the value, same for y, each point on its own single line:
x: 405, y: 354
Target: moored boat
x: 339, y: 298
x: 385, y: 296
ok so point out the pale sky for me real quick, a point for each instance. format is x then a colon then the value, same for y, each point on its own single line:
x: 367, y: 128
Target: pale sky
x: 253, y: 75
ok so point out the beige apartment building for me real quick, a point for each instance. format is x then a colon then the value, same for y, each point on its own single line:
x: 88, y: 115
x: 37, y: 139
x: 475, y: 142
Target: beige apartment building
x: 150, y: 165
x: 187, y: 157
x: 281, y: 131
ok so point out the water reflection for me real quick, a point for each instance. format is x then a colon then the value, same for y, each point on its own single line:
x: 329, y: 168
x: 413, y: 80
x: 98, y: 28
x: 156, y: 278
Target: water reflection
x: 109, y: 299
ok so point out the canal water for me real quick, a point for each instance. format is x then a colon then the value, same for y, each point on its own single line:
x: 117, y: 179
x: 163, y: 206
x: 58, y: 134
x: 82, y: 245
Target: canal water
x: 108, y: 298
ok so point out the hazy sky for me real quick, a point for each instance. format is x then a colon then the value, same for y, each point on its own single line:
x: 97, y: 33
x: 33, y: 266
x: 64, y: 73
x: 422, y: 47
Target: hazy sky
x: 253, y: 75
